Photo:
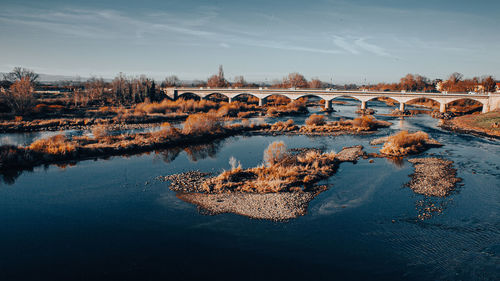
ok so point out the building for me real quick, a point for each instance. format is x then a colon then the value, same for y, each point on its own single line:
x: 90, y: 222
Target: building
x: 498, y: 87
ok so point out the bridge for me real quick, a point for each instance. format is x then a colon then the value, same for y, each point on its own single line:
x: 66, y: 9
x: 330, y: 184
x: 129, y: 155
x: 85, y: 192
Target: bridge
x: 489, y: 101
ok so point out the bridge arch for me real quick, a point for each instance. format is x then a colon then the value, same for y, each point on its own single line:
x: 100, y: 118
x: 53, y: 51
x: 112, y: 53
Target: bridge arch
x: 189, y: 95
x: 218, y: 96
x: 455, y: 104
x: 278, y: 98
x: 347, y: 96
x: 246, y: 97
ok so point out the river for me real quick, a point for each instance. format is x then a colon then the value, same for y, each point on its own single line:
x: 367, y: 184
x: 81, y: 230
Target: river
x: 110, y: 218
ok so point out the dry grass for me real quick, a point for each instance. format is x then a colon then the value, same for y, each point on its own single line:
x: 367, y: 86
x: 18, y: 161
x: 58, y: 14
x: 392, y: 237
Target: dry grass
x: 55, y: 145
x: 100, y: 131
x: 281, y: 126
x: 275, y: 153
x: 360, y: 124
x: 191, y: 106
x: 179, y: 105
x: 315, y: 119
x: 405, y: 143
x: 486, y: 123
x: 285, y: 171
x: 201, y: 123
x: 294, y: 107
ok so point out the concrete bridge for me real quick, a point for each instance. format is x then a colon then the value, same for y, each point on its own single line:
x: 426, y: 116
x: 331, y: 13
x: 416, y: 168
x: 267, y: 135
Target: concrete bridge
x: 489, y: 101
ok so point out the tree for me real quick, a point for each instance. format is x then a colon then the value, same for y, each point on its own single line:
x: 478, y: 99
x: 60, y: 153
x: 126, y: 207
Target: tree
x: 315, y: 84
x: 20, y: 96
x: 95, y: 89
x: 120, y: 86
x: 239, y: 81
x: 295, y: 80
x: 19, y: 73
x: 217, y: 81
x: 489, y: 84
x: 171, y: 81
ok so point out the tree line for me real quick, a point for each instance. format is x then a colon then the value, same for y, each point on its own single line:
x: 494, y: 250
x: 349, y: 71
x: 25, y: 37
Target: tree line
x: 17, y: 87
x: 454, y: 83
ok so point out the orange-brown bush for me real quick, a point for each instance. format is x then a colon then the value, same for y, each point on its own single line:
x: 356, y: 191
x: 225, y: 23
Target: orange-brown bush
x: 201, y: 123
x: 281, y: 126
x: 404, y: 143
x: 315, y: 119
x: 167, y: 131
x: 55, y: 145
x: 294, y: 107
x: 365, y: 122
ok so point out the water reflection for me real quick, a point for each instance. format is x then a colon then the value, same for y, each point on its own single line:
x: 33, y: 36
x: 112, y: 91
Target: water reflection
x: 194, y: 153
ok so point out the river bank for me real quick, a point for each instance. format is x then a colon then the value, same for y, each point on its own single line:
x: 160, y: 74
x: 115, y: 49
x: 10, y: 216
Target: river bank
x: 485, y: 124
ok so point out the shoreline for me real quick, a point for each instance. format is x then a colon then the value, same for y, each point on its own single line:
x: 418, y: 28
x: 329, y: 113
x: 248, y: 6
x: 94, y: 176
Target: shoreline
x: 450, y: 126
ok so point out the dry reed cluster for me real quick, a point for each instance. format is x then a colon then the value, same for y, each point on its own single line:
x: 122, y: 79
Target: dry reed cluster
x: 283, y: 171
x: 404, y: 143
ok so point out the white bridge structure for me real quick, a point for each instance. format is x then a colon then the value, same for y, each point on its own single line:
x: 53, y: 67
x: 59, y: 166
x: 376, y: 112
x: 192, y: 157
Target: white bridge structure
x: 489, y: 101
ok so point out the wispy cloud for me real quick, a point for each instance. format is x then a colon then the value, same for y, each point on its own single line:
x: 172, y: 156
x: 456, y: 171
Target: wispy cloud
x: 372, y: 48
x: 342, y: 43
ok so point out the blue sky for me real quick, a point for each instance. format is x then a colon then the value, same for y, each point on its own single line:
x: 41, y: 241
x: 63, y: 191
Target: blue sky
x: 351, y: 41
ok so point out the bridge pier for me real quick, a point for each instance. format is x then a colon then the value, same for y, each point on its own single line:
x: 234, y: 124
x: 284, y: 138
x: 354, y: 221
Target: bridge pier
x: 401, y: 106
x: 328, y: 105
x: 442, y: 107
x: 363, y: 105
x: 486, y: 108
x: 262, y: 102
x: 230, y: 99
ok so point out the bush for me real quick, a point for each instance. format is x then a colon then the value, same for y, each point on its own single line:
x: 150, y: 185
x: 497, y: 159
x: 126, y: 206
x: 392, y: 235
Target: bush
x: 275, y: 152
x: 404, y: 143
x: 55, y: 145
x: 315, y: 119
x: 201, y: 123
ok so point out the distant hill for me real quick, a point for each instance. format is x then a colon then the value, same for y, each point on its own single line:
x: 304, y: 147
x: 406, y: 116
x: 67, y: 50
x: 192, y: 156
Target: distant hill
x: 54, y: 78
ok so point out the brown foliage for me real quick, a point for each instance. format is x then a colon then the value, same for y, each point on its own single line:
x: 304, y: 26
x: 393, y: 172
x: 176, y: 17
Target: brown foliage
x: 404, y: 143
x: 20, y: 96
x: 315, y: 119
x: 200, y: 123
x: 55, y: 145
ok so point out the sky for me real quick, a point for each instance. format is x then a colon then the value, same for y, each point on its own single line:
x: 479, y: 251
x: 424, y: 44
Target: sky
x: 353, y: 41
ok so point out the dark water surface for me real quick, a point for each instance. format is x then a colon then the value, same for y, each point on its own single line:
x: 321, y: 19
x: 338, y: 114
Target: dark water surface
x: 109, y: 219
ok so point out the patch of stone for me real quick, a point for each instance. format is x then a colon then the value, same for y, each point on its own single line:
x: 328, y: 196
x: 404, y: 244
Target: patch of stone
x: 433, y: 176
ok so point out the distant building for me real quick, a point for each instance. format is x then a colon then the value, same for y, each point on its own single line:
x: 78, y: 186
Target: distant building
x: 479, y: 88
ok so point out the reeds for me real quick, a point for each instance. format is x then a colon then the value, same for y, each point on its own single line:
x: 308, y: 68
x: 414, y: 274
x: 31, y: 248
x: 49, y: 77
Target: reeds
x: 404, y: 143
x: 55, y: 145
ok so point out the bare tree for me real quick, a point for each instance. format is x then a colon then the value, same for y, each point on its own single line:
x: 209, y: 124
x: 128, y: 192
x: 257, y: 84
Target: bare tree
x: 95, y: 88
x: 217, y: 80
x: 171, y: 81
x: 315, y: 84
x: 489, y: 84
x: 295, y: 80
x: 19, y: 73
x: 239, y: 81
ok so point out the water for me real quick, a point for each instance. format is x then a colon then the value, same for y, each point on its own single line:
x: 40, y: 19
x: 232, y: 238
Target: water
x: 109, y: 219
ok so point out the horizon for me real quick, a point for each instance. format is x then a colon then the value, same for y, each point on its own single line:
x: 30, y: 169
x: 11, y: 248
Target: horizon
x: 344, y: 42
